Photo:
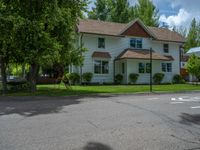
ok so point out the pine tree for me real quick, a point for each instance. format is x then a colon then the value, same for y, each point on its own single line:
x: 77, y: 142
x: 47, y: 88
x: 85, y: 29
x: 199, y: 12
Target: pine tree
x: 120, y: 11
x: 147, y: 12
x: 101, y: 10
x: 192, y: 37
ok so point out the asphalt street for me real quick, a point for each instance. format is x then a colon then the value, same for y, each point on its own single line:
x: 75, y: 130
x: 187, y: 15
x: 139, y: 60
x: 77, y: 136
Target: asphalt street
x: 101, y: 122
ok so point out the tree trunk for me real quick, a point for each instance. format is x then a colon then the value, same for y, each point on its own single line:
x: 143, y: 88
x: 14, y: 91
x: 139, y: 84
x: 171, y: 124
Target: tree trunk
x: 34, y: 69
x: 23, y: 70
x: 3, y: 75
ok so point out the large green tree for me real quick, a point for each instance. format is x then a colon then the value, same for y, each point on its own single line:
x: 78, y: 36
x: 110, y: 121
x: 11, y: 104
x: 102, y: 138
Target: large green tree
x: 120, y: 11
x: 193, y: 66
x: 46, y: 33
x: 192, y: 39
x: 101, y: 10
x: 147, y: 12
x: 9, y: 53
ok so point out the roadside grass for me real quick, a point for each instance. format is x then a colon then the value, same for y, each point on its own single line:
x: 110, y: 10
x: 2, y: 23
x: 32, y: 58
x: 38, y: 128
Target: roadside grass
x: 61, y: 90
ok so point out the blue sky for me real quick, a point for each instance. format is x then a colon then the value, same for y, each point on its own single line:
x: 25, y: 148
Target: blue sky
x: 174, y: 12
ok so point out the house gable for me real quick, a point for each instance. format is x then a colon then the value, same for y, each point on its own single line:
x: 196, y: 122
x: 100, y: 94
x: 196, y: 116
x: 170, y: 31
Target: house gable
x: 136, y: 29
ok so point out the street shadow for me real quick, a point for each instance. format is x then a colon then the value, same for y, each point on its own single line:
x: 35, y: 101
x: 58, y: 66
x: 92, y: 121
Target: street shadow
x: 96, y: 146
x: 29, y: 106
x: 190, y: 119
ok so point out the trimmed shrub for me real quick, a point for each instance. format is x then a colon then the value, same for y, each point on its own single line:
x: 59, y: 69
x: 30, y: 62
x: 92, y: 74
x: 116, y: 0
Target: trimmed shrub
x: 71, y: 78
x: 178, y: 79
x: 118, y: 79
x: 133, y: 77
x: 87, y: 77
x: 74, y: 78
x: 158, y: 77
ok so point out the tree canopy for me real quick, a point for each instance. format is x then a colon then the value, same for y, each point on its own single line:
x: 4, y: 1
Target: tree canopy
x: 193, y: 37
x: 42, y: 31
x: 193, y: 66
x: 147, y: 12
x: 101, y: 11
x: 121, y: 11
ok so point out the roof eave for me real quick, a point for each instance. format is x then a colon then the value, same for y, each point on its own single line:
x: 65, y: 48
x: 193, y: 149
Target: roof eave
x: 102, y: 34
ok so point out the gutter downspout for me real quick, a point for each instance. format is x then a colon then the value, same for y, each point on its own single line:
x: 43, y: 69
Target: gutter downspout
x: 80, y: 42
x: 114, y: 70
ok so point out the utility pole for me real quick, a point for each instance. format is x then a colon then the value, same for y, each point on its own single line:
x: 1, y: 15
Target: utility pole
x: 150, y: 69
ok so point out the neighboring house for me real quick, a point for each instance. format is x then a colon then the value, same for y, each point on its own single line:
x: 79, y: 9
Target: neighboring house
x: 184, y: 73
x: 115, y: 48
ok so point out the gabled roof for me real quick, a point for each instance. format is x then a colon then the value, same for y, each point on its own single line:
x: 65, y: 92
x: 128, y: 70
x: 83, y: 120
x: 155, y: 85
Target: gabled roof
x: 142, y: 54
x: 137, y: 27
x: 117, y: 29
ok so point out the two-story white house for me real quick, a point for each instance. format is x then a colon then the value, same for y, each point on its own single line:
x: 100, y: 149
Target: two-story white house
x: 115, y: 48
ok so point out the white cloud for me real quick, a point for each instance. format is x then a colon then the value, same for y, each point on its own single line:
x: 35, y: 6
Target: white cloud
x: 181, y: 19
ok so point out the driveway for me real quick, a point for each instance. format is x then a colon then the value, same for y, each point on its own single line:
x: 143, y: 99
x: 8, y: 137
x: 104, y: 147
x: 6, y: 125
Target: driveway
x: 104, y: 122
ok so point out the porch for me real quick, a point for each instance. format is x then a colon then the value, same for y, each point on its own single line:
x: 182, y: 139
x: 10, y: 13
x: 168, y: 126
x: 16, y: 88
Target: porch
x: 138, y: 62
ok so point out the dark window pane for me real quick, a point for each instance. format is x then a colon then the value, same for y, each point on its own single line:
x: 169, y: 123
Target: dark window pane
x: 105, y: 67
x: 141, y: 67
x: 123, y: 68
x: 166, y: 48
x: 139, y: 43
x: 97, y: 66
x: 169, y: 67
x: 133, y: 43
x: 148, y: 67
x: 163, y: 67
x: 101, y: 42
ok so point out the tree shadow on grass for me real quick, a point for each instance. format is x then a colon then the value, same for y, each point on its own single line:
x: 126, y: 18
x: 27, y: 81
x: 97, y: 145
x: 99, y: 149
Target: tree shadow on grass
x: 96, y: 146
x: 190, y: 119
x: 29, y: 106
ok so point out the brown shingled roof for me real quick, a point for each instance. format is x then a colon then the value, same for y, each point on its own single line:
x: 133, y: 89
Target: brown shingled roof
x: 141, y: 54
x: 101, y: 54
x: 100, y: 27
x: 164, y: 34
x: 114, y: 29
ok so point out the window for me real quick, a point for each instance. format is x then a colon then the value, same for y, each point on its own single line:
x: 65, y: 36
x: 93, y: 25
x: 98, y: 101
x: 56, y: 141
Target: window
x: 163, y: 67
x: 123, y: 69
x: 135, y: 43
x: 169, y: 67
x: 144, y: 68
x: 97, y: 66
x: 101, y: 67
x: 166, y: 48
x: 101, y: 42
x: 166, y: 67
x: 148, y: 68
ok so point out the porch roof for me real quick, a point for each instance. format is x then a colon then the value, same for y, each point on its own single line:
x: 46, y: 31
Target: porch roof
x: 143, y: 54
x: 101, y: 54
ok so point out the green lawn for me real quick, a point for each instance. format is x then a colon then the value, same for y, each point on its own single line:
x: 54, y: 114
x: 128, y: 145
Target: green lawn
x: 60, y: 90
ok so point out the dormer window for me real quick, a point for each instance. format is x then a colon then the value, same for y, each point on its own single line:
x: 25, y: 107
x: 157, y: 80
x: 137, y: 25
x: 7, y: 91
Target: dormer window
x: 166, y: 48
x: 136, y: 43
x: 101, y: 42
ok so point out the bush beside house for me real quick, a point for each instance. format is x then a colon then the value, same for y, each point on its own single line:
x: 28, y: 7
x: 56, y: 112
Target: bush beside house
x: 177, y: 79
x: 158, y: 77
x: 118, y: 79
x: 71, y: 78
x: 87, y: 77
x: 133, y: 77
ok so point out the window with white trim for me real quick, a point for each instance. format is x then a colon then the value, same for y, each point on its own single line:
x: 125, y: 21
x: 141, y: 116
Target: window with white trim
x: 166, y: 48
x: 101, y: 67
x: 101, y: 42
x: 166, y: 67
x: 136, y: 43
x: 123, y: 68
x: 144, y: 67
